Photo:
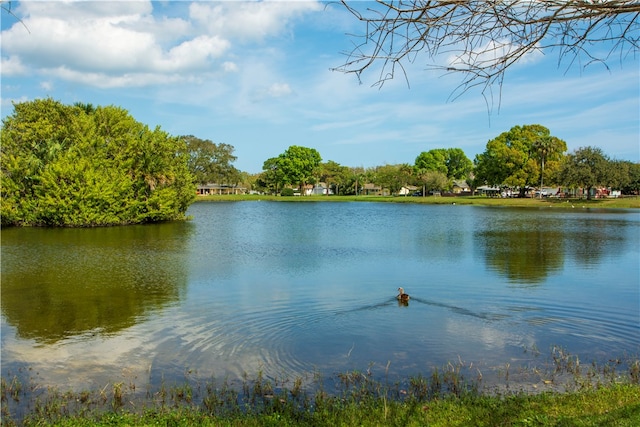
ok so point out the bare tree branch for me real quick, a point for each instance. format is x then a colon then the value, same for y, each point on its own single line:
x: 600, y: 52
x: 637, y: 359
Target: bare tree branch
x: 482, y: 39
x: 6, y: 6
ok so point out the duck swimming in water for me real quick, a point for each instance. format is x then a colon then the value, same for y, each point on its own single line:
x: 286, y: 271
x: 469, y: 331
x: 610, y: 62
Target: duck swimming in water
x: 402, y: 296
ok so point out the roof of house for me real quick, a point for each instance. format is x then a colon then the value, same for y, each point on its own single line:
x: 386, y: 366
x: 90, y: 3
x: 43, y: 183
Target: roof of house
x: 370, y: 186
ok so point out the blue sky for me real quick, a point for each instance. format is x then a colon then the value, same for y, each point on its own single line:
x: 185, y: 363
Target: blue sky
x: 257, y: 75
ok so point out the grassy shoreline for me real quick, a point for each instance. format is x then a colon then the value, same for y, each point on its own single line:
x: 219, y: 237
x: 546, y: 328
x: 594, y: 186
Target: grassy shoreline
x: 617, y: 203
x: 615, y: 405
x: 584, y: 395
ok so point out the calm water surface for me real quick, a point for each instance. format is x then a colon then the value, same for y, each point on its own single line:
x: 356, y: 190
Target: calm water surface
x: 295, y: 288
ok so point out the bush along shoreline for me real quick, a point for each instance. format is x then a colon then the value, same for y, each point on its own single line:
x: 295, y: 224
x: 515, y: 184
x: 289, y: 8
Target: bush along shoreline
x: 563, y: 391
x: 80, y: 166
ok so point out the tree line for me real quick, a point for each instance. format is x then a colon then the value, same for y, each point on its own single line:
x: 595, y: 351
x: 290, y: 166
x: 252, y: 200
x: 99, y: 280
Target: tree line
x: 522, y: 158
x: 80, y: 165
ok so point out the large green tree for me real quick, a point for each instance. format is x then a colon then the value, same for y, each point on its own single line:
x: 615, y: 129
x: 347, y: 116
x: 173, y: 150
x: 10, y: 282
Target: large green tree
x: 393, y: 177
x: 298, y: 165
x: 548, y: 150
x: 632, y: 184
x: 433, y: 181
x: 459, y: 166
x: 334, y: 175
x: 587, y: 168
x: 452, y: 163
x: 83, y: 166
x: 211, y: 162
x: 514, y: 158
x: 354, y: 180
x: 619, y: 174
x: 432, y: 161
x: 272, y: 178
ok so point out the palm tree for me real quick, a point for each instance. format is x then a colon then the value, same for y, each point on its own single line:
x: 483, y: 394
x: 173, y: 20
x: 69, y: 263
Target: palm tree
x: 543, y: 147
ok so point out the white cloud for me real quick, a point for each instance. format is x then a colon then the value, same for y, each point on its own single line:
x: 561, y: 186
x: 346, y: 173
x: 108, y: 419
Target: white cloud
x: 337, y: 123
x: 261, y: 93
x: 111, y: 44
x: 490, y: 55
x: 229, y: 66
x: 47, y: 86
x: 12, y: 65
x: 194, y: 54
x: 278, y: 90
x: 103, y: 80
x: 78, y: 10
x: 249, y: 21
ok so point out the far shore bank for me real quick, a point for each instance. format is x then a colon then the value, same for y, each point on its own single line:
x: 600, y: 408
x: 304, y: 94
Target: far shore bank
x: 630, y: 202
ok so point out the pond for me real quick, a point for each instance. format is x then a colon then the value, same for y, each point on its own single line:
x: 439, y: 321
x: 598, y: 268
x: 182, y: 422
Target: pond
x: 288, y: 289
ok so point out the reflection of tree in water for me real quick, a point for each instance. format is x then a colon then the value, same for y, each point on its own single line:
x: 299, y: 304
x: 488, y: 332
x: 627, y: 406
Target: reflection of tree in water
x: 522, y: 255
x: 527, y: 250
x: 593, y: 239
x: 62, y: 282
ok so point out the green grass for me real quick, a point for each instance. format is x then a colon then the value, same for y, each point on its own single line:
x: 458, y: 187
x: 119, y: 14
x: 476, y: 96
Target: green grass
x: 614, y: 405
x: 563, y: 393
x: 618, y: 203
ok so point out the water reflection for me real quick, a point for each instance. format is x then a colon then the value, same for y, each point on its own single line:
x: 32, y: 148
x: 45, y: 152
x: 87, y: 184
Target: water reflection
x: 58, y: 283
x: 522, y: 256
x: 526, y: 248
x: 592, y: 239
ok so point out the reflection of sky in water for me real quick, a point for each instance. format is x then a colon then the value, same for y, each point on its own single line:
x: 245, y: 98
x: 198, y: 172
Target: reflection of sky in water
x: 289, y: 289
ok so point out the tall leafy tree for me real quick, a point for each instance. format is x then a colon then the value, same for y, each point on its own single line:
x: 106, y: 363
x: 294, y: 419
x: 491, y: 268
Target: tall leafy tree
x: 632, y: 184
x: 334, y: 175
x: 547, y: 148
x: 587, y: 168
x: 393, y: 177
x: 434, y: 181
x: 512, y: 158
x: 210, y: 162
x: 272, y: 178
x: 459, y: 166
x: 432, y: 161
x: 354, y: 180
x: 618, y: 174
x: 78, y: 166
x: 298, y: 165
x: 452, y: 162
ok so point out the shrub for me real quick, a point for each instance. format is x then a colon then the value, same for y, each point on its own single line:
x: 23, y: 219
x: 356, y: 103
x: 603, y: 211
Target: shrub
x: 80, y: 166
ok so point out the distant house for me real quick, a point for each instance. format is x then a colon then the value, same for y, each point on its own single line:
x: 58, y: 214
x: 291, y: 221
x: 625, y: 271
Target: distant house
x: 319, y: 188
x: 547, y: 192
x: 407, y: 190
x: 460, y: 186
x: 372, y: 190
x: 486, y: 190
x: 220, y: 189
